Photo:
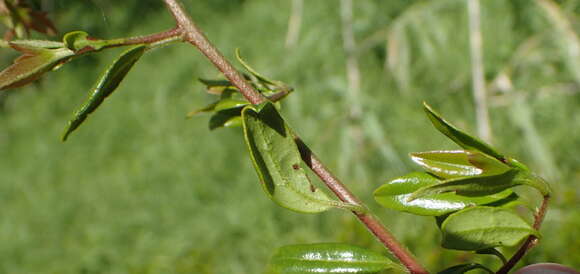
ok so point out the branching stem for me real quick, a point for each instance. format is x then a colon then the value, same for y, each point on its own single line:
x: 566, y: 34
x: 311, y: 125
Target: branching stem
x: 191, y: 34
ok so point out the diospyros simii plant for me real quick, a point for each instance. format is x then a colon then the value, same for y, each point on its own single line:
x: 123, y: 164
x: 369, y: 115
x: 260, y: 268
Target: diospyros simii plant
x: 468, y: 191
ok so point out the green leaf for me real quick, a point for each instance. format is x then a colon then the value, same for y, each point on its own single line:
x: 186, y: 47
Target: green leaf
x: 459, y: 137
x: 494, y: 252
x: 458, y: 163
x: 464, y: 268
x: 253, y: 71
x: 226, y: 118
x: 80, y: 41
x: 34, y: 44
x: 395, y: 195
x: 328, y: 258
x: 474, y: 185
x: 222, y: 104
x: 107, y: 84
x: 479, y: 228
x: 217, y: 86
x: 230, y: 103
x: 278, y: 163
x: 34, y: 62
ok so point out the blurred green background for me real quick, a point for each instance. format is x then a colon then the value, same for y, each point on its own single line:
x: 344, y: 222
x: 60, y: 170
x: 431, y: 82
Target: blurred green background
x: 140, y: 189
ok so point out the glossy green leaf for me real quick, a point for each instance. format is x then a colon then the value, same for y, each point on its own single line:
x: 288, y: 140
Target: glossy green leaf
x: 328, y: 258
x: 464, y: 268
x: 484, y: 227
x: 474, y: 185
x: 34, y: 62
x: 458, y: 163
x: 395, y: 195
x: 459, y: 137
x: 80, y: 41
x: 278, y: 163
x: 107, y: 84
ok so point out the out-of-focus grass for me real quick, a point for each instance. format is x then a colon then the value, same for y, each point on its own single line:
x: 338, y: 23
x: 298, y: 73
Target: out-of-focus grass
x: 140, y: 189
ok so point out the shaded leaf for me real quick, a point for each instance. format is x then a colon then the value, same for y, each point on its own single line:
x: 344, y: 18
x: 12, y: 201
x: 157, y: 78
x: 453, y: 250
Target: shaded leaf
x: 217, y: 86
x: 328, y: 258
x: 395, y: 195
x: 226, y: 118
x: 107, y: 83
x: 479, y: 228
x: 494, y: 252
x: 31, y: 65
x: 278, y: 163
x: 459, y: 137
x: 474, y: 185
x: 464, y: 268
x: 208, y: 108
x: 220, y: 105
x: 458, y: 163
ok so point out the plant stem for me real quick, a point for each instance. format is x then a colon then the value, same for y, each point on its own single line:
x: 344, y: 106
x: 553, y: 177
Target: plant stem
x: 147, y: 39
x: 530, y: 242
x: 194, y: 36
x: 372, y: 223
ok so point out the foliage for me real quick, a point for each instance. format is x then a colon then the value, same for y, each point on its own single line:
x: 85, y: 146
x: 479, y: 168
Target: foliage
x: 323, y: 110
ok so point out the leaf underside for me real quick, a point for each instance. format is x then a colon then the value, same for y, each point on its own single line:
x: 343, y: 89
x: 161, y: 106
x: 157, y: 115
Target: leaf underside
x: 482, y: 227
x: 277, y: 161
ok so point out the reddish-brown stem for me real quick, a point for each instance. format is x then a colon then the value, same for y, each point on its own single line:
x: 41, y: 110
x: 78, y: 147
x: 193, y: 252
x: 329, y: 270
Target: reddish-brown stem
x: 373, y: 224
x: 530, y: 242
x: 153, y: 37
x: 193, y: 35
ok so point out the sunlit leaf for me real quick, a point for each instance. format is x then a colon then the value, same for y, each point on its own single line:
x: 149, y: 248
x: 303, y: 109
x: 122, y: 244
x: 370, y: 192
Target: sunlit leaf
x: 79, y: 41
x: 278, y: 163
x: 107, y: 84
x: 464, y: 268
x: 484, y: 227
x: 395, y: 195
x: 458, y: 163
x: 253, y: 71
x: 32, y: 64
x: 328, y: 258
x: 458, y: 136
x: 35, y: 44
x: 474, y: 185
x: 229, y: 103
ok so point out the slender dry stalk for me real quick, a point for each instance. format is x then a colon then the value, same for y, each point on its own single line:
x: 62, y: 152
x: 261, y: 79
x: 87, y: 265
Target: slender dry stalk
x: 294, y: 23
x: 477, y: 70
x: 353, y: 139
